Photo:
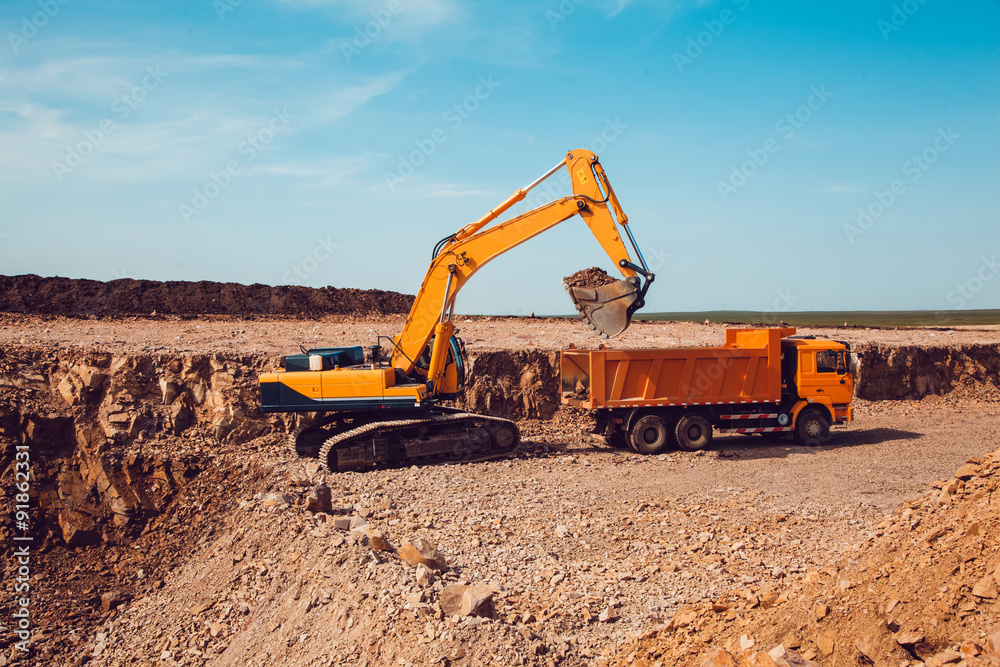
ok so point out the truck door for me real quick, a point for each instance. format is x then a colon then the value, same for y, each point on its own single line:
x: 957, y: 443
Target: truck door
x: 823, y: 373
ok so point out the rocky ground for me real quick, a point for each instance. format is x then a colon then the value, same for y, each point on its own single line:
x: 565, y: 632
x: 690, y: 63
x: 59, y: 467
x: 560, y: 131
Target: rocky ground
x: 176, y: 529
x: 281, y: 336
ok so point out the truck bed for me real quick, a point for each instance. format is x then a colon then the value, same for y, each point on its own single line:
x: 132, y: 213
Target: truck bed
x: 747, y: 369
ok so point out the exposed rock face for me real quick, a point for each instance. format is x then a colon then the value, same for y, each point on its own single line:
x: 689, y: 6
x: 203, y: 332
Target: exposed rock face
x: 86, y: 416
x: 889, y: 372
x: 514, y: 385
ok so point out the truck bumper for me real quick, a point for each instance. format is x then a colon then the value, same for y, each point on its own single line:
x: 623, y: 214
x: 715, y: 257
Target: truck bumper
x: 843, y: 413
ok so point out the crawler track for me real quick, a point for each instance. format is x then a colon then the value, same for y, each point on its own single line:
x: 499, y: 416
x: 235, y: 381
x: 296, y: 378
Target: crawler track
x: 349, y: 443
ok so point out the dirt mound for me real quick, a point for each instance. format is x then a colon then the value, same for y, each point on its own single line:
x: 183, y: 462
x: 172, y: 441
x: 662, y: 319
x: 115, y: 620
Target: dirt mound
x: 80, y: 298
x: 925, y: 587
x: 590, y: 278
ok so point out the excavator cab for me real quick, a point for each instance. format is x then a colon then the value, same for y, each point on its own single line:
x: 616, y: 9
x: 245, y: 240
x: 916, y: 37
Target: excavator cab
x: 453, y: 381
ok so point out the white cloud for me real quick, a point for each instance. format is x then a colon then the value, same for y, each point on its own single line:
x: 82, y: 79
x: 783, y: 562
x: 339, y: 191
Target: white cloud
x: 341, y: 102
x: 42, y: 121
x: 320, y: 175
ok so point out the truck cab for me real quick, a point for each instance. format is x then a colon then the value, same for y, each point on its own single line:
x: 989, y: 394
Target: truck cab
x: 817, y: 371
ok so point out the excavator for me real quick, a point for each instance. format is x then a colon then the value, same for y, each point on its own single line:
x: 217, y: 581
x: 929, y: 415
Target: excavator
x: 388, y: 409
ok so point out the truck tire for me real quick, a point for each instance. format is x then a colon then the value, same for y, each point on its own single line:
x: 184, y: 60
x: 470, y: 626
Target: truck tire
x: 693, y: 432
x: 812, y: 428
x: 650, y: 435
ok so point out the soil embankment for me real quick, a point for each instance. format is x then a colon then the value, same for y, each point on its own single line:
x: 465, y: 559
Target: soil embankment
x: 31, y: 294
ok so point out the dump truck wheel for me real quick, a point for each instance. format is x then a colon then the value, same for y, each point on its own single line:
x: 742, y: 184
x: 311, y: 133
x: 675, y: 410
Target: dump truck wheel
x: 693, y: 432
x: 812, y: 428
x: 650, y: 435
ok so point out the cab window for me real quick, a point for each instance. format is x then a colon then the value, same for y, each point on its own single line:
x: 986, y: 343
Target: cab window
x: 830, y: 361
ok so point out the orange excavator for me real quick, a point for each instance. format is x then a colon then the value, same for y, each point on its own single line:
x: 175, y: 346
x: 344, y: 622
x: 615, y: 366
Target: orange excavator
x: 380, y: 411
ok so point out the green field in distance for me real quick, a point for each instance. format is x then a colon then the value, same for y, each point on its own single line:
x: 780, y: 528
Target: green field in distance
x: 838, y: 318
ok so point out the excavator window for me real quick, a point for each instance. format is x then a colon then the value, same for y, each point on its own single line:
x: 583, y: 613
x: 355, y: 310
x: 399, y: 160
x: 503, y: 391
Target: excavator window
x: 424, y: 360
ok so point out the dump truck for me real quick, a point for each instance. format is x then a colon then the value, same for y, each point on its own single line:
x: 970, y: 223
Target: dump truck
x: 386, y: 409
x: 759, y: 381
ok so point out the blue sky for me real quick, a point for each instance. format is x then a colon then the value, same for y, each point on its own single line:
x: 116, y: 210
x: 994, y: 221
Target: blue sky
x: 770, y: 155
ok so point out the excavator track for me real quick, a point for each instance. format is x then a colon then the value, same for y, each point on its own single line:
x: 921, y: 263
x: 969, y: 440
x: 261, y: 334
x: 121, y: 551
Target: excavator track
x: 457, y: 436
x: 307, y: 439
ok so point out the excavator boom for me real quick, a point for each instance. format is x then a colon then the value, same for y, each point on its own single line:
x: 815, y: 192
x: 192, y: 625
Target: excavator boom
x: 608, y: 310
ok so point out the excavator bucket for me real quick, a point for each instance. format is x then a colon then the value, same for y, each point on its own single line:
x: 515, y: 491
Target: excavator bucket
x: 608, y: 309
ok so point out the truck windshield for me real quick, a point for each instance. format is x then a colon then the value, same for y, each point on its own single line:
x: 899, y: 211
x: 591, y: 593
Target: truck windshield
x: 830, y: 361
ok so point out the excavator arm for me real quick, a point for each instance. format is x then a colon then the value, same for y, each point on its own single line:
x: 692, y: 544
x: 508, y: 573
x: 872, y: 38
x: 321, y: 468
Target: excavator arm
x: 608, y: 310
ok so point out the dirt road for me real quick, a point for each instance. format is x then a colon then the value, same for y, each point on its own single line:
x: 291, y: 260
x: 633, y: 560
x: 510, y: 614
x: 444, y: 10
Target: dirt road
x: 279, y: 336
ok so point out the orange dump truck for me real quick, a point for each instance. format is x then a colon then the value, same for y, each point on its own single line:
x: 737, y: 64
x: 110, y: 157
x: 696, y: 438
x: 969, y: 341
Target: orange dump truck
x: 759, y: 381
